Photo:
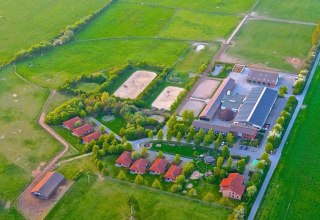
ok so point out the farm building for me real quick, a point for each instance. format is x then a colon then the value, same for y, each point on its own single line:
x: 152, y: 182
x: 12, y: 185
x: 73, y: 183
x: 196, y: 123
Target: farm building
x: 139, y: 166
x: 70, y: 124
x: 48, y: 185
x: 90, y: 137
x: 263, y: 78
x: 256, y: 107
x: 83, y: 130
x: 233, y: 186
x: 173, y: 172
x: 124, y: 160
x: 232, y: 102
x: 245, y: 132
x: 159, y: 166
x: 214, y: 103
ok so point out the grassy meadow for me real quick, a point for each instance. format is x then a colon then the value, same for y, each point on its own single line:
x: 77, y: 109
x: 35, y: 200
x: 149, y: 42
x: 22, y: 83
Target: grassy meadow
x: 271, y: 44
x: 294, y: 188
x: 306, y: 10
x: 23, y: 24
x: 111, y: 198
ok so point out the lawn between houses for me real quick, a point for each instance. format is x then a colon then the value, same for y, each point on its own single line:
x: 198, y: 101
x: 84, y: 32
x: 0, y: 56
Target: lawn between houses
x: 293, y: 189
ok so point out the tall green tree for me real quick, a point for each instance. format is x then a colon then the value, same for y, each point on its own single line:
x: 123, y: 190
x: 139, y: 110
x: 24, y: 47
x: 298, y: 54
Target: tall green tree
x: 160, y: 134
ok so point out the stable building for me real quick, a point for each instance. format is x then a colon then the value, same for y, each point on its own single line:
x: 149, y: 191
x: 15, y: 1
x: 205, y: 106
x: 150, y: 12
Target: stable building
x: 48, y: 185
x: 263, y: 78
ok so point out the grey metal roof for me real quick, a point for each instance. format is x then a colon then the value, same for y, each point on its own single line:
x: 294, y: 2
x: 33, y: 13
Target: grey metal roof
x: 232, y: 101
x: 263, y: 76
x: 257, y: 106
x: 48, y: 185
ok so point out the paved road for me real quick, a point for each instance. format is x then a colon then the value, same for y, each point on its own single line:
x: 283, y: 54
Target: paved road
x: 275, y: 158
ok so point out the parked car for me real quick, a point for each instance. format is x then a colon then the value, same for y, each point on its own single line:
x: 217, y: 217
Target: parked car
x: 246, y: 148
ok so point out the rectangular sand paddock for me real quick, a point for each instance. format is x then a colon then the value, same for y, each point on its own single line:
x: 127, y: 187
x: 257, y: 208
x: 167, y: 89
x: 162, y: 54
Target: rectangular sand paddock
x: 206, y: 89
x: 194, y: 105
x: 167, y: 97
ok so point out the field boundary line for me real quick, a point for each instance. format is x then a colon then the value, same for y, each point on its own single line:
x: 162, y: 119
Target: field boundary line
x: 279, y: 20
x: 73, y: 158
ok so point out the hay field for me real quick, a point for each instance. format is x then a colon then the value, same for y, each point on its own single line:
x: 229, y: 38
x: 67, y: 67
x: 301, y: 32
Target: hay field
x: 195, y: 106
x: 306, y: 10
x: 271, y: 44
x: 205, y: 89
x: 23, y: 23
x: 167, y: 97
x: 293, y: 191
x: 135, y: 84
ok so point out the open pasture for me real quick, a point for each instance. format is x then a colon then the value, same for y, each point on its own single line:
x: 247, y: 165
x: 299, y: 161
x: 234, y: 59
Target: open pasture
x: 306, y: 10
x: 23, y: 23
x: 226, y: 6
x: 294, y: 188
x: 135, y: 84
x: 197, y: 26
x: 167, y: 97
x: 73, y: 59
x: 270, y: 44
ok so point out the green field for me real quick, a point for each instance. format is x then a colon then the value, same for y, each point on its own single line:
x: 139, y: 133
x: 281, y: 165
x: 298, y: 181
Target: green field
x: 114, y: 125
x: 294, y: 188
x: 24, y: 144
x: 307, y: 10
x: 197, y: 26
x: 226, y: 6
x: 271, y: 44
x: 111, y: 197
x: 23, y: 24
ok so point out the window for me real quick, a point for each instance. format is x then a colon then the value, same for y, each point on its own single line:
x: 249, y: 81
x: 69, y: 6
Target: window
x: 264, y: 83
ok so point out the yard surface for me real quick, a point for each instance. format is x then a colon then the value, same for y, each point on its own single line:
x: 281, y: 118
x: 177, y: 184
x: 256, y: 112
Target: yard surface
x: 40, y: 21
x: 294, y: 188
x: 276, y: 45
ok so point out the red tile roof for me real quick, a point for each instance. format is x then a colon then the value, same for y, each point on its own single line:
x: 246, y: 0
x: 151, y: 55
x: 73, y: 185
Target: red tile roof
x: 82, y: 130
x: 234, y: 183
x: 173, y: 172
x: 93, y: 136
x: 70, y: 123
x: 139, y: 165
x: 159, y: 165
x: 48, y: 184
x: 125, y: 159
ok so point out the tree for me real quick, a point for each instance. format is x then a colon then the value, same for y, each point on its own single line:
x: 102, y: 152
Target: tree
x: 135, y: 155
x: 239, y: 212
x: 138, y: 179
x: 179, y: 136
x: 133, y: 205
x: 188, y: 116
x: 175, y: 187
x: 241, y: 165
x: 169, y: 135
x: 191, y: 134
x: 150, y: 135
x: 177, y: 159
x: 180, y: 179
x: 260, y: 165
x: 144, y: 151
x: 121, y: 175
x: 192, y: 192
x: 77, y: 124
x: 195, y: 154
x: 265, y: 156
x: 188, y: 168
x: 229, y: 163
x: 160, y: 134
x: 219, y: 162
x: 100, y: 165
x: 209, y: 197
x: 211, y: 179
x: 219, y: 140
x: 102, y: 129
x: 207, y: 140
x: 160, y: 154
x: 229, y: 139
x: 268, y: 148
x: 199, y: 136
x: 156, y: 184
x: 251, y: 190
x: 225, y: 151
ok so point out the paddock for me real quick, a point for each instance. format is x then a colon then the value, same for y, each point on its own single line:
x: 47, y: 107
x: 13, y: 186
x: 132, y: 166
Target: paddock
x: 167, y: 97
x: 206, y: 89
x: 135, y: 84
x: 193, y: 105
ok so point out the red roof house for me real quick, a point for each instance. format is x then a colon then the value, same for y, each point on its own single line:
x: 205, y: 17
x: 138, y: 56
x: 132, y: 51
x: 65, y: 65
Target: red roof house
x: 158, y: 166
x: 139, y: 166
x: 71, y: 122
x: 173, y: 172
x: 233, y: 186
x: 92, y: 136
x: 124, y: 160
x: 83, y: 130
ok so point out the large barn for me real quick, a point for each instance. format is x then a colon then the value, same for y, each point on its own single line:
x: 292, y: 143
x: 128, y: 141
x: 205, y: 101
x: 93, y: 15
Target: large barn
x: 48, y: 185
x: 263, y: 78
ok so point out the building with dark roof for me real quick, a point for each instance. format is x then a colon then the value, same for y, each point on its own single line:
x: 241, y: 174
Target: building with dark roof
x: 124, y: 160
x: 226, y: 115
x: 83, y: 130
x: 232, y: 102
x: 233, y: 186
x: 70, y: 124
x: 256, y: 107
x: 263, y: 78
x: 214, y: 103
x: 159, y: 166
x: 48, y: 185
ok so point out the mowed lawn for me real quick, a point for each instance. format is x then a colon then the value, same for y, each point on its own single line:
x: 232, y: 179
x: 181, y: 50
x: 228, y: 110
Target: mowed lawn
x: 76, y: 58
x: 225, y: 6
x: 109, y: 200
x: 197, y: 26
x: 271, y: 44
x: 306, y: 10
x: 24, y: 144
x: 23, y: 23
x: 293, y: 192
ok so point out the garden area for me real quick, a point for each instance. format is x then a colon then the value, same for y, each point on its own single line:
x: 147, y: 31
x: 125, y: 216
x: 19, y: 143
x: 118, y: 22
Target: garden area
x: 220, y: 70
